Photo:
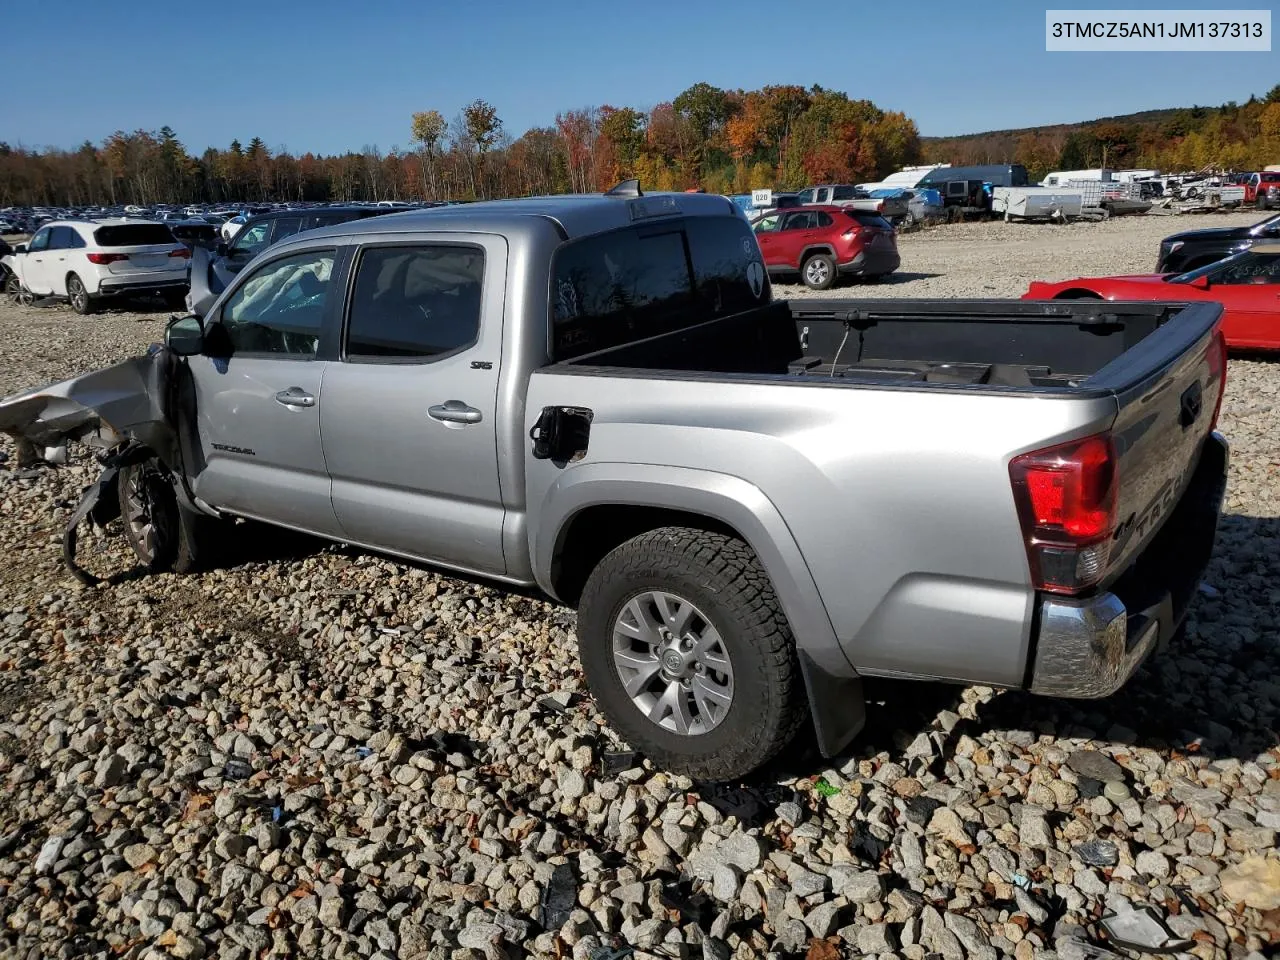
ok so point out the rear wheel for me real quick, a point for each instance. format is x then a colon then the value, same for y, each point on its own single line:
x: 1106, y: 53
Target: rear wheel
x: 164, y: 535
x: 819, y: 271
x: 688, y: 654
x: 78, y: 296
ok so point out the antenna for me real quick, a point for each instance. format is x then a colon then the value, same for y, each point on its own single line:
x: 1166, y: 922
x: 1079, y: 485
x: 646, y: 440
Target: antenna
x: 627, y: 188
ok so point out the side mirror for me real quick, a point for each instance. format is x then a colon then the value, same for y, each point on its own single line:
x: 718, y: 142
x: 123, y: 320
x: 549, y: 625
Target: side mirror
x: 221, y: 248
x: 1201, y: 282
x: 20, y: 248
x: 185, y: 336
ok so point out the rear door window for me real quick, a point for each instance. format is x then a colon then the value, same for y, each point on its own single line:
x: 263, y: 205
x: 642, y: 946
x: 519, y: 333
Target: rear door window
x: 844, y: 193
x: 415, y: 303
x: 133, y: 235
x: 798, y: 221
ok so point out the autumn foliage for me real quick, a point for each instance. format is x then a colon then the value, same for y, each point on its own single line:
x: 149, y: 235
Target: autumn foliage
x: 723, y: 141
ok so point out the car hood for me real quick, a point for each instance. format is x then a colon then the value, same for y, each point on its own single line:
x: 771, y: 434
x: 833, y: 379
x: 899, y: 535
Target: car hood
x: 1211, y: 235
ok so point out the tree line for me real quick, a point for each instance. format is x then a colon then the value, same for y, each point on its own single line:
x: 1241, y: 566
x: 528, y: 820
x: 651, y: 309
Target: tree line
x: 1232, y: 136
x: 722, y: 141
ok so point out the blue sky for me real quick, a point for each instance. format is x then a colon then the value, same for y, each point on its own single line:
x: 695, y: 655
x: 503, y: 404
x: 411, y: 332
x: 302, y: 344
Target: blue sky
x: 328, y: 76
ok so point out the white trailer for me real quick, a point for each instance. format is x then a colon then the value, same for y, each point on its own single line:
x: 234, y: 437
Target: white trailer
x: 1036, y: 203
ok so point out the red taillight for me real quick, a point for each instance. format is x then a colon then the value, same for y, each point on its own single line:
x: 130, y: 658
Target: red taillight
x: 180, y: 252
x: 851, y: 233
x: 1216, y: 356
x: 105, y: 258
x: 1066, y: 498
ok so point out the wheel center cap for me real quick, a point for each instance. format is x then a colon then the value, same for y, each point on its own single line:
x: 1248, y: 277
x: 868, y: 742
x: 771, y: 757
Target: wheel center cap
x: 673, y: 662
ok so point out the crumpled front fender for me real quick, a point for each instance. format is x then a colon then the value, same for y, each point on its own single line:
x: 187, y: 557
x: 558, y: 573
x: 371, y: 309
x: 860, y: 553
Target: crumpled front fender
x: 103, y: 408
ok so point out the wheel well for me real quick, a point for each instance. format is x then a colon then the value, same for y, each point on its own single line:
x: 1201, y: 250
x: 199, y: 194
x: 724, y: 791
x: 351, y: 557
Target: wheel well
x: 810, y: 251
x: 593, y: 532
x: 1077, y: 294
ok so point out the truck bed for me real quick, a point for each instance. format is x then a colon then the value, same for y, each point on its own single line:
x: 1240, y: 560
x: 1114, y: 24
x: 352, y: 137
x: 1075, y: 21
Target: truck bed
x: 1053, y: 346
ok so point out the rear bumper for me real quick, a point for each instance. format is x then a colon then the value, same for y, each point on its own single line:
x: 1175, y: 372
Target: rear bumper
x: 166, y: 282
x: 1089, y: 648
x: 870, y: 263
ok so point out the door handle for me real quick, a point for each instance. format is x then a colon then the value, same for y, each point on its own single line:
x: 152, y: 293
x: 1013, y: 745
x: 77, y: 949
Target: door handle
x: 454, y: 411
x: 295, y: 397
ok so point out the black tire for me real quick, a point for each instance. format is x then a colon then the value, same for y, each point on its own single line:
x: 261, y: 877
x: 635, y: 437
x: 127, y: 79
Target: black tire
x: 818, y: 271
x: 13, y: 288
x: 1077, y: 295
x: 722, y: 577
x: 180, y: 538
x: 78, y: 296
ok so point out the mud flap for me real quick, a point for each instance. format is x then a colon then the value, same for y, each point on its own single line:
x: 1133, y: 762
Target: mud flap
x: 100, y: 504
x: 837, y: 706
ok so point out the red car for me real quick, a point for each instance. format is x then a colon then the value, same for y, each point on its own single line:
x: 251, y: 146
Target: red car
x: 823, y: 242
x: 1247, y: 285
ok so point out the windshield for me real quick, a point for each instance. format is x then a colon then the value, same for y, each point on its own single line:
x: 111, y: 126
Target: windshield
x: 1269, y: 225
x: 1244, y: 267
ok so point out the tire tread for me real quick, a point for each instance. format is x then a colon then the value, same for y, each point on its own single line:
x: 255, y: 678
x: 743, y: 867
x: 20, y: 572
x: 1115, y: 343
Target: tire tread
x: 728, y: 567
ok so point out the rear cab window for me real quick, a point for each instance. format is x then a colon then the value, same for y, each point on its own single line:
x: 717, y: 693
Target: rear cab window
x: 642, y: 281
x: 133, y: 235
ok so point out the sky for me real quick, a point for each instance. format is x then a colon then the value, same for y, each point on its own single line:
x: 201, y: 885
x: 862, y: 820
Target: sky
x: 328, y: 76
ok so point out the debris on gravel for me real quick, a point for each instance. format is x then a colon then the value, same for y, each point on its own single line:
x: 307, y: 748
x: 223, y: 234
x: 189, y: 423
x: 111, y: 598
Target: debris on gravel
x: 311, y: 751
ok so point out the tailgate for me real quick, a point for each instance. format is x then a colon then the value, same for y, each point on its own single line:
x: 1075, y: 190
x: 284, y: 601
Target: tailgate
x: 1168, y: 387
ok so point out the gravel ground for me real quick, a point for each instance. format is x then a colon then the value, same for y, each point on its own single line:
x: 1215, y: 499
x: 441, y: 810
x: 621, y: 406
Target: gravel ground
x: 313, y: 752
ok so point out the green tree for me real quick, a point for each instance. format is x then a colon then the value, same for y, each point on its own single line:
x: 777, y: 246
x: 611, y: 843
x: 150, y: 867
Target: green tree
x: 484, y: 129
x: 428, y: 129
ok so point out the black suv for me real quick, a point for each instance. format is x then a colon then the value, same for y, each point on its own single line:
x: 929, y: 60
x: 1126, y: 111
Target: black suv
x: 268, y: 229
x: 210, y: 274
x: 1196, y: 248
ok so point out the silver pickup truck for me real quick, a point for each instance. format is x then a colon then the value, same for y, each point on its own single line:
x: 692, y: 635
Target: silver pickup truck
x: 753, y: 504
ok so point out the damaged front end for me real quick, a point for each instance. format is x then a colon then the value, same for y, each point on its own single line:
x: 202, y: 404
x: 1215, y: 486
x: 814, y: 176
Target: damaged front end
x: 126, y: 412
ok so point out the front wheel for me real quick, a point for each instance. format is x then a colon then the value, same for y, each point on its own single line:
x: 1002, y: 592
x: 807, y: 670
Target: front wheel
x: 164, y: 535
x: 819, y: 271
x: 78, y: 296
x: 688, y: 654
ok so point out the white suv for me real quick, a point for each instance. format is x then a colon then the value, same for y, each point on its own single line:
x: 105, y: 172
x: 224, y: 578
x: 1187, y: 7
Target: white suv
x: 87, y: 260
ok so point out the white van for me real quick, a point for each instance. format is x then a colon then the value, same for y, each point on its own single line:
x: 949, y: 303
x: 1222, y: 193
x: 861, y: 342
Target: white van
x: 1061, y: 177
